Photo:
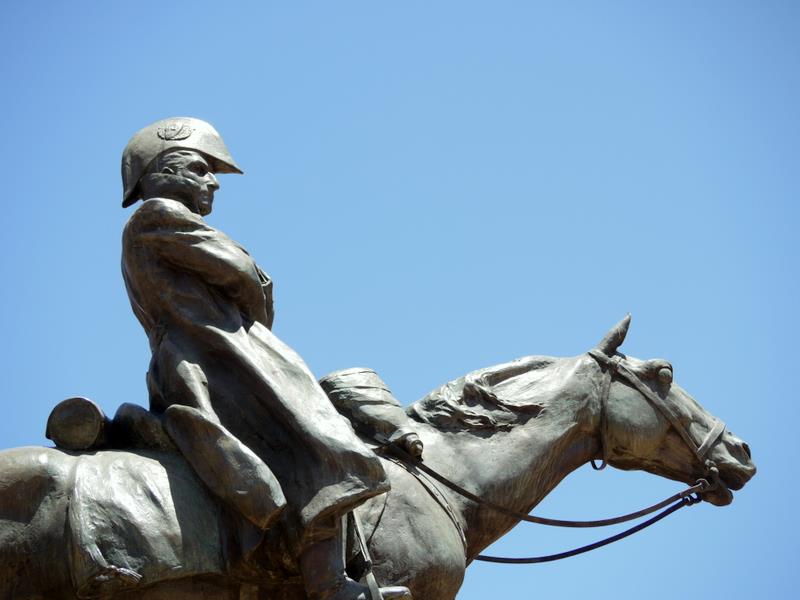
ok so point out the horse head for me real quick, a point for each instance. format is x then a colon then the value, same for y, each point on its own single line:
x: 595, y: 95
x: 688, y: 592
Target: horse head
x: 648, y: 422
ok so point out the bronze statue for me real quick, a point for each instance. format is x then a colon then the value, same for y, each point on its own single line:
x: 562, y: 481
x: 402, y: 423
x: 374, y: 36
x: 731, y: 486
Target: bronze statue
x: 245, y: 481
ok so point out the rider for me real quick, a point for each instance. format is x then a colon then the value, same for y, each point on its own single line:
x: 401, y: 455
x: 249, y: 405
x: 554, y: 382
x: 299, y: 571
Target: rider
x: 237, y: 401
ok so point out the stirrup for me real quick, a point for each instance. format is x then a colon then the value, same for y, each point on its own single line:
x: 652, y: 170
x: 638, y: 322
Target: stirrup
x: 395, y: 592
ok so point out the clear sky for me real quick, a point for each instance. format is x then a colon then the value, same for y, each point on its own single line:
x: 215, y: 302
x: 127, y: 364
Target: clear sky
x: 437, y: 187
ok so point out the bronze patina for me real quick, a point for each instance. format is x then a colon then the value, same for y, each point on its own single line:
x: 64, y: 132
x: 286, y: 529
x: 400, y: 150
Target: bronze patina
x: 247, y: 478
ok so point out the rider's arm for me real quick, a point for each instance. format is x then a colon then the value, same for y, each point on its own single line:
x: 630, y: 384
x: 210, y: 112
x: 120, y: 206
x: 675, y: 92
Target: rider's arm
x: 183, y: 240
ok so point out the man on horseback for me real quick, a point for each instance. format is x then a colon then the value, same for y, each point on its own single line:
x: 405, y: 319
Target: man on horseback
x: 242, y: 407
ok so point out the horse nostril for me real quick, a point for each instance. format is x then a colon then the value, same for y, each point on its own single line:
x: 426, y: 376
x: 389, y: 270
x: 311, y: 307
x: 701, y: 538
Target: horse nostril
x: 747, y: 450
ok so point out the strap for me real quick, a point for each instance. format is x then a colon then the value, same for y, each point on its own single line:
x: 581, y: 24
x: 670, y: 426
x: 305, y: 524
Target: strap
x: 372, y: 583
x: 610, y: 368
x: 435, y: 493
x: 701, y: 486
x: 711, y: 438
x: 687, y: 501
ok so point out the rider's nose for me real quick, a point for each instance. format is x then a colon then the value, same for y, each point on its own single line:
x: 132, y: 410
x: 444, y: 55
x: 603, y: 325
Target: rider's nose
x: 213, y: 183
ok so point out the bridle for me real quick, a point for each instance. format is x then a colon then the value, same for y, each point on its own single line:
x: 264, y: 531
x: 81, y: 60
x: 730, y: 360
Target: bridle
x: 612, y: 366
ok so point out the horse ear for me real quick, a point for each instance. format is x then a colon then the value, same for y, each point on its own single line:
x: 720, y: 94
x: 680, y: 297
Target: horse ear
x: 614, y: 338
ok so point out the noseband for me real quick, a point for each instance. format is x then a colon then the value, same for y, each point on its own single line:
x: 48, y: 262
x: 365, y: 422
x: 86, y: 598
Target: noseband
x: 613, y: 366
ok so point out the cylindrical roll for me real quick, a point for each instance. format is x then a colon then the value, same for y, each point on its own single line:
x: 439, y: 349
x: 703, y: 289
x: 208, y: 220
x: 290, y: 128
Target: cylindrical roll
x: 77, y: 424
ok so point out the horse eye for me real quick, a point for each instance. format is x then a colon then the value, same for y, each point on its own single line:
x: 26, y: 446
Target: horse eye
x: 665, y: 375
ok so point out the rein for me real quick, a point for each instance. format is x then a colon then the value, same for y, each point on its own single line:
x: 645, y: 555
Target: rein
x: 690, y: 492
x: 688, y: 497
x: 687, y: 501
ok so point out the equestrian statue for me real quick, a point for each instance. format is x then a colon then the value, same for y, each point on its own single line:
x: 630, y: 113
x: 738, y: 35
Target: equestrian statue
x: 250, y: 479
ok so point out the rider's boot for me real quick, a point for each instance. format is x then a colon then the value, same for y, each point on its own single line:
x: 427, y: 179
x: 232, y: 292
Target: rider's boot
x: 324, y: 578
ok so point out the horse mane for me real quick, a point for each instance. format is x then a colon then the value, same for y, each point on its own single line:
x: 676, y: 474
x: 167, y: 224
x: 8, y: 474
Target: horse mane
x: 491, y: 399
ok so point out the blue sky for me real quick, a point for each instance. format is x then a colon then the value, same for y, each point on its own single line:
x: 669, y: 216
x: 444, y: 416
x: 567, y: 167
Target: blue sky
x: 437, y: 187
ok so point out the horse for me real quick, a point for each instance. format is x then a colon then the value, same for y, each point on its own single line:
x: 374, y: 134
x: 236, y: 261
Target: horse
x: 506, y: 434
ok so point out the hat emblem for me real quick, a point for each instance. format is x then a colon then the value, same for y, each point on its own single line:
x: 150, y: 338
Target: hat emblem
x: 175, y: 130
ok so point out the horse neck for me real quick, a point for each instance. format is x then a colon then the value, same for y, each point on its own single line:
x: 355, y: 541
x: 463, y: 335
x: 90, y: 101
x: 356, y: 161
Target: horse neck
x: 519, y: 467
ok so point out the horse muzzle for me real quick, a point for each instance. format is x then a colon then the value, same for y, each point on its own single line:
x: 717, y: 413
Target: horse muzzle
x: 726, y: 477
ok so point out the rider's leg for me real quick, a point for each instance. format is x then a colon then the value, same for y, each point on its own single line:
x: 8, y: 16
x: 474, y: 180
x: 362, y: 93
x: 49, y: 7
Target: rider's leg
x: 229, y: 468
x: 179, y: 392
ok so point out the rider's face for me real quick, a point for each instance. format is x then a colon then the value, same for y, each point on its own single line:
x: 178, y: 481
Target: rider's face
x: 193, y: 182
